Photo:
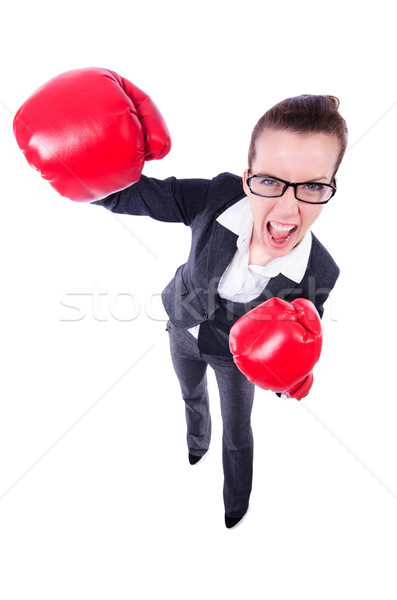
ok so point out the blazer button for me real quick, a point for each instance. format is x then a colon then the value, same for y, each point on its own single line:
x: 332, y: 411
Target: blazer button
x: 205, y: 315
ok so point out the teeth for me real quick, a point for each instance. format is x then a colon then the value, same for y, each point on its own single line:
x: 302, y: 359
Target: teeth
x: 282, y: 227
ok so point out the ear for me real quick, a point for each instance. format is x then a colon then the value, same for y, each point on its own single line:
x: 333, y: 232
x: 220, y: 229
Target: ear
x: 245, y: 186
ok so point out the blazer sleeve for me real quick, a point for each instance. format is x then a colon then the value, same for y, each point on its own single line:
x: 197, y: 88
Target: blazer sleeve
x: 171, y: 200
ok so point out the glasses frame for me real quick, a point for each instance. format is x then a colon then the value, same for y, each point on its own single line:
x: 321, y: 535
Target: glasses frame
x: 288, y: 184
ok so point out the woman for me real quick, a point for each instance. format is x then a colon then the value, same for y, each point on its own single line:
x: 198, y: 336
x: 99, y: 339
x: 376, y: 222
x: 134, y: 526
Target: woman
x: 251, y: 240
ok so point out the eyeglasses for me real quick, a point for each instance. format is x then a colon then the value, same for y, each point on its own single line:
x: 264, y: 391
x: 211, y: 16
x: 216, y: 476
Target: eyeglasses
x: 311, y: 192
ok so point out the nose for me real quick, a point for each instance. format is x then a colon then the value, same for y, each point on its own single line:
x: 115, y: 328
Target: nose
x: 287, y: 205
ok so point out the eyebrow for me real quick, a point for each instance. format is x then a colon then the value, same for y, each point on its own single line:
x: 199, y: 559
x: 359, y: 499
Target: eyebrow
x: 318, y: 178
x: 306, y: 180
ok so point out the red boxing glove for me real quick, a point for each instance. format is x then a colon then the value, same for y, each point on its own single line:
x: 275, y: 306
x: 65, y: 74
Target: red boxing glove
x: 277, y: 344
x: 89, y: 132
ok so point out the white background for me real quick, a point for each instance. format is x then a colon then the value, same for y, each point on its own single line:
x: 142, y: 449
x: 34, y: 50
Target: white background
x: 97, y: 499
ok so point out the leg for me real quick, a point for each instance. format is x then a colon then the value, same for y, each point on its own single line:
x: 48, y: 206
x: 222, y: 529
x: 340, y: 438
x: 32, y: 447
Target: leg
x: 191, y: 372
x: 236, y: 395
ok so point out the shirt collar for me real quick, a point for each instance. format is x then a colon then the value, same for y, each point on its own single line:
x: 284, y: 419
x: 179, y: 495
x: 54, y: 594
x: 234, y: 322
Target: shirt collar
x: 238, y: 219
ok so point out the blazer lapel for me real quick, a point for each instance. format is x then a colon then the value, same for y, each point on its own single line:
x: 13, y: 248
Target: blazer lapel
x: 222, y: 247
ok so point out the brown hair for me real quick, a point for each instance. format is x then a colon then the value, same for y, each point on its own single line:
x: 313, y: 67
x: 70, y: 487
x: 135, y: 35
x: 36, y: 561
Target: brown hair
x: 304, y: 114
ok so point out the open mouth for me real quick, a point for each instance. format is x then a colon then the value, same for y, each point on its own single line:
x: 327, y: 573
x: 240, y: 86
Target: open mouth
x: 280, y: 233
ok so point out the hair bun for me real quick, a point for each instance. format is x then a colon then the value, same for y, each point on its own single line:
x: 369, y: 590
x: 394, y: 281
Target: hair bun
x: 335, y: 101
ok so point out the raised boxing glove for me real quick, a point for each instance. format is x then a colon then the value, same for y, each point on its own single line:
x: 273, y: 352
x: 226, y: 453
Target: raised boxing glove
x: 277, y: 344
x: 89, y: 132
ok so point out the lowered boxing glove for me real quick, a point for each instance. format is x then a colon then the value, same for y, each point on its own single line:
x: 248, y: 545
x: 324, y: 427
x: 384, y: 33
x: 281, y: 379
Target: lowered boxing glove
x: 277, y: 344
x: 89, y: 132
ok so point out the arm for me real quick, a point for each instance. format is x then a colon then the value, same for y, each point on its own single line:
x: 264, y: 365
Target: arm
x: 171, y: 200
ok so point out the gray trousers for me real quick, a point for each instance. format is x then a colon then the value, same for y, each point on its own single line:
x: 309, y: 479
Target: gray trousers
x: 236, y: 397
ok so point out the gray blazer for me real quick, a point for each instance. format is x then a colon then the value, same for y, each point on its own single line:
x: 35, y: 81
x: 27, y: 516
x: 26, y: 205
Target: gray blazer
x: 191, y: 296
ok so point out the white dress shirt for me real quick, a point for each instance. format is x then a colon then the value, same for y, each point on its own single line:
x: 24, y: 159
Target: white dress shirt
x: 241, y: 281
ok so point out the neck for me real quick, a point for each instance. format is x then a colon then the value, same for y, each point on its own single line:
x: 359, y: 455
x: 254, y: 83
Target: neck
x: 257, y: 256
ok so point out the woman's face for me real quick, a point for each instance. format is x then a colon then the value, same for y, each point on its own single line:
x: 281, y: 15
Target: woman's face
x: 297, y: 158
